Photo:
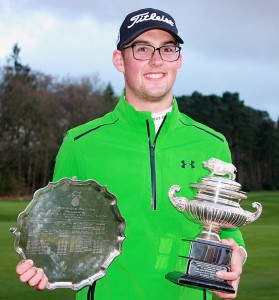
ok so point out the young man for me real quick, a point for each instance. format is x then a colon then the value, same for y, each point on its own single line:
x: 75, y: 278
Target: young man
x: 136, y: 151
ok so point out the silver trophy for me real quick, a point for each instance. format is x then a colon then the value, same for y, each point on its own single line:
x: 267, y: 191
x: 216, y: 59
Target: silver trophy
x: 215, y: 206
x: 73, y: 230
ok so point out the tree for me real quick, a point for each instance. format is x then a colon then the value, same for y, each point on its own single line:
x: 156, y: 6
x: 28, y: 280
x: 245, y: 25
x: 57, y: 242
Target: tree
x: 35, y: 113
x: 24, y: 153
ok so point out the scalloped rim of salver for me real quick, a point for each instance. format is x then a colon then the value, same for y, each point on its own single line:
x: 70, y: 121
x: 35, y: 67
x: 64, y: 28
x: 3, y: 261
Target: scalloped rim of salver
x: 103, y: 193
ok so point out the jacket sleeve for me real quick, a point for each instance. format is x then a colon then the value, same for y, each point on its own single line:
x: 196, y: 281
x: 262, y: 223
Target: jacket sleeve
x: 68, y: 163
x: 225, y: 153
x: 233, y: 233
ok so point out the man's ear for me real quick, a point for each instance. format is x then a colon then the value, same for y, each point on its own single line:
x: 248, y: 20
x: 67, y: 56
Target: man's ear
x: 118, y: 61
x: 179, y: 62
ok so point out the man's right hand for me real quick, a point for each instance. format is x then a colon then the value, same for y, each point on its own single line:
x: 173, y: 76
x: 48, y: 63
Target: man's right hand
x: 35, y: 277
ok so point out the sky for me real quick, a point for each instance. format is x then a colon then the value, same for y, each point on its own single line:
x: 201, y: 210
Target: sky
x: 229, y: 45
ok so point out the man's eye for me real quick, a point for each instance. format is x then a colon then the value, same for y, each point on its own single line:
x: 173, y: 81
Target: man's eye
x: 140, y: 48
x: 168, y: 49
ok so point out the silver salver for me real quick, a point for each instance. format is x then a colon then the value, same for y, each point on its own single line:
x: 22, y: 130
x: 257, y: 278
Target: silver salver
x: 71, y: 229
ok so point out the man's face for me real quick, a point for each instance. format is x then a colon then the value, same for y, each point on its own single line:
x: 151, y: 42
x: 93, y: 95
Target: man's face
x: 150, y: 80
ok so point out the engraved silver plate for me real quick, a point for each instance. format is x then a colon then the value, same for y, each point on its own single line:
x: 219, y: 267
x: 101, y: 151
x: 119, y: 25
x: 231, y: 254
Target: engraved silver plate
x: 71, y: 229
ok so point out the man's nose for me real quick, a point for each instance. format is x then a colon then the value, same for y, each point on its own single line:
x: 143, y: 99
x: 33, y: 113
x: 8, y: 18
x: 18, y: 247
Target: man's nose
x: 156, y: 57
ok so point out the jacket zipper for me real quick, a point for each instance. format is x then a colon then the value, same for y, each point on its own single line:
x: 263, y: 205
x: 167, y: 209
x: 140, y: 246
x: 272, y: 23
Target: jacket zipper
x: 152, y: 163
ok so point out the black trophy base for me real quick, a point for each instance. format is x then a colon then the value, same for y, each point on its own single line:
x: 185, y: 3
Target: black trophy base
x: 183, y: 279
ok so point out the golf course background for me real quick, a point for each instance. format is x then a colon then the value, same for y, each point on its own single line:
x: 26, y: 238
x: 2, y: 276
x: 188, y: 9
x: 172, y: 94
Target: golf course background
x: 261, y: 271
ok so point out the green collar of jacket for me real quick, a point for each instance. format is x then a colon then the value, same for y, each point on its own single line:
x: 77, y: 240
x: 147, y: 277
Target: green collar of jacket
x: 137, y: 119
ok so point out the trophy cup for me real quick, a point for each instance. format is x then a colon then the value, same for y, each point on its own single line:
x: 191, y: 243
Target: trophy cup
x: 71, y: 229
x: 216, y: 206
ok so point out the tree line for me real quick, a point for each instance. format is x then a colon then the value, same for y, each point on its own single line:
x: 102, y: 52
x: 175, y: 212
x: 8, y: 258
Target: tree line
x: 252, y: 136
x: 36, y: 110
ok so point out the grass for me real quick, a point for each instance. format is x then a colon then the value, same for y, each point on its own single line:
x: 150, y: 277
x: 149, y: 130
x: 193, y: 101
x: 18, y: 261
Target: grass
x: 11, y: 287
x: 261, y: 271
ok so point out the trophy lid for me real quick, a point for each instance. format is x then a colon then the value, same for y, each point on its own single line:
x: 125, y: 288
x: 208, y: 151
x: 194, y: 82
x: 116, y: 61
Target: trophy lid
x: 219, y: 190
x: 224, y: 183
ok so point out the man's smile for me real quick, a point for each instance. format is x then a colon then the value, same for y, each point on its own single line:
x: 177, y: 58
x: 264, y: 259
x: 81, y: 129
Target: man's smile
x: 155, y: 75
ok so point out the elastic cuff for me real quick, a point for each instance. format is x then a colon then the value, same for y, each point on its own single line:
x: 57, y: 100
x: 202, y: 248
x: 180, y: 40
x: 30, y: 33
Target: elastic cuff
x: 245, y: 254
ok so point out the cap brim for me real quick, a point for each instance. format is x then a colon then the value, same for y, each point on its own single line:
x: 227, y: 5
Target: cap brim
x: 136, y: 34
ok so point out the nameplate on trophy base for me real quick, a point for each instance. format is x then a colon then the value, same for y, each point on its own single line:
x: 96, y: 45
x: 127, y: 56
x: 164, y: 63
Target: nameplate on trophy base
x: 205, y: 259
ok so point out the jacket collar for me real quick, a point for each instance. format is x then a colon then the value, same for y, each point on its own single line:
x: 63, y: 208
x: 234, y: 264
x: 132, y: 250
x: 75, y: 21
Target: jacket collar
x: 137, y: 119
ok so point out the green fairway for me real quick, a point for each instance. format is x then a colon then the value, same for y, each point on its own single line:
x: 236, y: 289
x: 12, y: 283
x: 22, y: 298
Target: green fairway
x: 11, y: 287
x: 261, y: 271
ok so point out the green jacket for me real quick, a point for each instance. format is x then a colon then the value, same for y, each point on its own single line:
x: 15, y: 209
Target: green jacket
x: 122, y: 151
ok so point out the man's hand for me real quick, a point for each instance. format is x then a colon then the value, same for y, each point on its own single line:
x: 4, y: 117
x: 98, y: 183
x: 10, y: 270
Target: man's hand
x: 233, y: 277
x: 35, y: 277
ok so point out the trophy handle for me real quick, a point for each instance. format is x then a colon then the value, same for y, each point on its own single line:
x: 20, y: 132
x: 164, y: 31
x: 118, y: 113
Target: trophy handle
x: 251, y: 217
x: 178, y: 202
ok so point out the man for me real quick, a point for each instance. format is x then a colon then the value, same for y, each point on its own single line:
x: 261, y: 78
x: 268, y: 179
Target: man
x: 136, y: 151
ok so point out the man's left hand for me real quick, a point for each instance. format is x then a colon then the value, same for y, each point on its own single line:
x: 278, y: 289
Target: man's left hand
x: 233, y: 277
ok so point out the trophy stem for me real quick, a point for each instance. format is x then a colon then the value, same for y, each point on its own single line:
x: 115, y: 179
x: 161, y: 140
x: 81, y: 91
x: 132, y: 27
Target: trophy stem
x: 211, y: 232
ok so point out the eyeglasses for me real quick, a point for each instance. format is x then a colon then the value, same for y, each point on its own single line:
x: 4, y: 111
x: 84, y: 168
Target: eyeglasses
x: 146, y: 52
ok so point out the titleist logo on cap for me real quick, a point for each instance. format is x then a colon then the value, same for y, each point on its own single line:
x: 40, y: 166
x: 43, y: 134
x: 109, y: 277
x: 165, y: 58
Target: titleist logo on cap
x: 147, y: 17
